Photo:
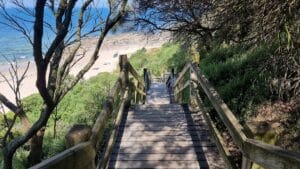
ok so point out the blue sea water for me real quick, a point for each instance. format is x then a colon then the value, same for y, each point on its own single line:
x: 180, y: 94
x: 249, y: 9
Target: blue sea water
x: 13, y: 44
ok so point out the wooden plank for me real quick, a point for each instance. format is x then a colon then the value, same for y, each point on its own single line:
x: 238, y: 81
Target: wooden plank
x: 164, y: 144
x: 268, y: 156
x: 163, y: 150
x: 165, y: 138
x: 182, y: 73
x: 130, y: 134
x: 157, y: 126
x: 135, y: 133
x: 160, y: 164
x: 160, y: 106
x: 191, y: 129
x: 187, y: 84
x: 101, y: 120
x: 77, y: 157
x: 135, y: 75
x: 163, y: 127
x: 154, y: 112
x: 157, y: 123
x: 228, y: 118
x: 158, y: 157
x: 113, y: 136
x: 224, y: 152
x: 161, y: 120
x: 162, y: 115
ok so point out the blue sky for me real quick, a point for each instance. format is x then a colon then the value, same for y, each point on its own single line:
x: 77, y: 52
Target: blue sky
x: 31, y: 3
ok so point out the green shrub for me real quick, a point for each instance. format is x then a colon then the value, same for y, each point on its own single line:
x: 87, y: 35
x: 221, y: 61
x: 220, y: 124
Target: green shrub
x: 170, y: 55
x: 237, y: 73
x: 81, y: 105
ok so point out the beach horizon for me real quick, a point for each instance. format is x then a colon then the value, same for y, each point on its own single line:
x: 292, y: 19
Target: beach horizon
x: 112, y: 47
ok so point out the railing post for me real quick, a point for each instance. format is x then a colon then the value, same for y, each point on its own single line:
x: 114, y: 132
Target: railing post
x: 246, y: 163
x: 146, y: 79
x: 124, y: 75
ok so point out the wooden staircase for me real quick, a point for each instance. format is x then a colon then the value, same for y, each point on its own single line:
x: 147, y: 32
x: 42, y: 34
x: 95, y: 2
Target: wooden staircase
x: 163, y: 135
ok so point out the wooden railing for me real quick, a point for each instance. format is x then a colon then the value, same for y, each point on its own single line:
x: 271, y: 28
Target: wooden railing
x: 83, y: 155
x: 265, y: 155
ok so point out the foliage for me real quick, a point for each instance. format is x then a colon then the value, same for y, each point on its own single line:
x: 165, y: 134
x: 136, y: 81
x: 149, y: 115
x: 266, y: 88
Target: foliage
x: 239, y: 75
x: 170, y: 55
x: 207, y: 24
x: 80, y: 106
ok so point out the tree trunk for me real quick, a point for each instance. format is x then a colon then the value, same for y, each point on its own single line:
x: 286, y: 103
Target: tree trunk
x: 7, y: 159
x: 26, y: 124
x: 36, y: 148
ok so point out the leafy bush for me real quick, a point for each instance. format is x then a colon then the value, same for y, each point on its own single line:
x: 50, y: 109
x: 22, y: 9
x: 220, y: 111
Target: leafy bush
x: 170, y: 55
x: 80, y: 106
x: 239, y: 76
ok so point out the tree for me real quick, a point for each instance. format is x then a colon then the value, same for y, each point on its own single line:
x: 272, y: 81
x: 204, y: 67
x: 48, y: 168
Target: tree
x: 235, y: 22
x: 52, y: 68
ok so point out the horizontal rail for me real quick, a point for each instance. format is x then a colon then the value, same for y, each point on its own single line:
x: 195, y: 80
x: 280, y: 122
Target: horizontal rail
x: 107, y: 109
x: 268, y: 156
x: 114, y: 133
x: 136, y: 75
x: 187, y: 84
x: 216, y: 134
x: 182, y: 73
x: 83, y: 155
x: 79, y: 156
x: 226, y: 115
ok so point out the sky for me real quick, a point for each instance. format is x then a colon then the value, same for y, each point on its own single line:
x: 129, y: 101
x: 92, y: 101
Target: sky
x: 31, y: 3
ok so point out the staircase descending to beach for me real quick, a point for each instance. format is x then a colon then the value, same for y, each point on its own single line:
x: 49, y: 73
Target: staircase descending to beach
x: 163, y: 135
x: 165, y: 124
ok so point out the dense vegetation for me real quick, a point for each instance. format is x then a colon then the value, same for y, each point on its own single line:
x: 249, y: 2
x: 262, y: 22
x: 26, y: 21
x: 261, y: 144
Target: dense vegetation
x: 160, y: 61
x: 244, y: 77
x: 80, y: 106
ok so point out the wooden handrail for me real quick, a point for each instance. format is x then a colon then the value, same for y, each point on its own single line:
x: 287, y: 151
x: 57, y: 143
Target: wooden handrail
x: 112, y: 139
x: 83, y: 155
x: 268, y: 156
x: 228, y: 159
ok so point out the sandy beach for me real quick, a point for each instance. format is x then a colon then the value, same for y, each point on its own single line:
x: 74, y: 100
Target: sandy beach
x: 113, y: 46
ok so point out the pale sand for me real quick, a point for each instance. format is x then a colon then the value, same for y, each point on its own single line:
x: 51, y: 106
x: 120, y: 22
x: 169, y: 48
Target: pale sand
x: 112, y: 47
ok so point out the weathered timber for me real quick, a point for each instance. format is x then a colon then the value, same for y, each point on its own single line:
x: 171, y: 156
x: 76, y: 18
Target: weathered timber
x: 77, y: 157
x: 228, y: 159
x: 187, y: 84
x: 268, y: 156
x: 159, y: 135
x: 114, y: 133
x: 83, y: 155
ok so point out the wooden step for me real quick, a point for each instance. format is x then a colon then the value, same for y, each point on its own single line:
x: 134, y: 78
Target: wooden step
x: 190, y: 129
x: 163, y: 143
x: 165, y: 138
x: 148, y: 111
x: 157, y: 157
x: 162, y: 150
x: 156, y: 126
x: 162, y: 134
x: 159, y: 164
x: 155, y: 116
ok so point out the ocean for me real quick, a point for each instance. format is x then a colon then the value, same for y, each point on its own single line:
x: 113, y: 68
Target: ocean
x: 13, y: 44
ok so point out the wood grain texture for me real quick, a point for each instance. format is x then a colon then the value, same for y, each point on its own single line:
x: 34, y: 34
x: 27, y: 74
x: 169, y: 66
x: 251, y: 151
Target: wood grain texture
x: 161, y: 135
